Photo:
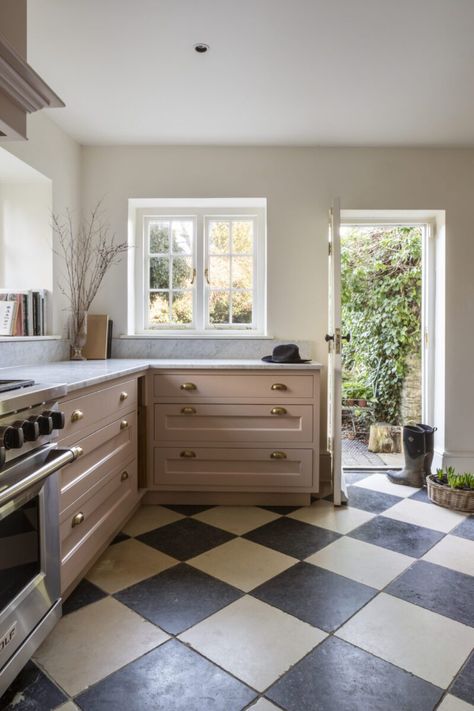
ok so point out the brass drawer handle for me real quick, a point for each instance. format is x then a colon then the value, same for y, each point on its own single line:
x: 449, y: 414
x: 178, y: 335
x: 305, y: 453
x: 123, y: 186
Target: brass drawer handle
x: 188, y: 386
x: 123, y: 424
x: 124, y: 476
x: 278, y: 455
x: 77, y: 519
x: 279, y: 386
x: 77, y: 415
x: 123, y: 396
x: 188, y: 411
x: 278, y: 411
x: 78, y: 451
x: 187, y: 454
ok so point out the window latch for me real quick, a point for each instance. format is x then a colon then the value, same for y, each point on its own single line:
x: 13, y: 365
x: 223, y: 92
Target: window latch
x: 206, y: 274
x: 194, y: 276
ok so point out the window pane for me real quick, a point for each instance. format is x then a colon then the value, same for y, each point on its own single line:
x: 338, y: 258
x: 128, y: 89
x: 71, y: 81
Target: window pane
x: 219, y: 307
x: 242, y: 237
x: 182, y: 272
x: 241, y: 307
x: 242, y: 272
x: 158, y: 308
x: 159, y: 273
x: 159, y: 237
x: 219, y: 271
x: 182, y: 307
x: 219, y: 237
x: 182, y: 237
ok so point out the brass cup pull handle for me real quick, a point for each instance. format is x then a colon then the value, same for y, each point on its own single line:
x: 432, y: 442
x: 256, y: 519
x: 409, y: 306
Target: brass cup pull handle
x: 187, y: 454
x: 188, y: 386
x: 278, y: 411
x: 278, y: 455
x: 279, y: 386
x: 123, y: 424
x: 124, y: 476
x: 123, y: 396
x: 77, y: 415
x: 77, y: 519
x: 188, y: 410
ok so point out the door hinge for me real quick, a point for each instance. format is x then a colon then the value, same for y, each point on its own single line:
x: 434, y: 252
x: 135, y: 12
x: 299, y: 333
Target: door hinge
x: 330, y: 248
x: 427, y: 340
x: 329, y: 444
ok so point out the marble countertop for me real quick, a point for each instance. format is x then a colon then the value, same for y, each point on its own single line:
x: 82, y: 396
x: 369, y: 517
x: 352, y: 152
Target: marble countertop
x: 81, y: 374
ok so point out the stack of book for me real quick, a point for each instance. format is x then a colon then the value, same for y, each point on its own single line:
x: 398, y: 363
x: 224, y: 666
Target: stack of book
x: 23, y: 313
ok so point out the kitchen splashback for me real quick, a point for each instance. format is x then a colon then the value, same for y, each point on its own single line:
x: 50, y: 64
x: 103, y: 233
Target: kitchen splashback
x: 200, y: 347
x: 32, y: 352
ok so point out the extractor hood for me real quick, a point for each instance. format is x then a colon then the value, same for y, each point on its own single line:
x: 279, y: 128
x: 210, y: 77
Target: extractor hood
x: 22, y: 91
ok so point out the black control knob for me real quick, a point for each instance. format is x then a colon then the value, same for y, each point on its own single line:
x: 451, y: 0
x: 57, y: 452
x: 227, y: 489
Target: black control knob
x: 31, y: 430
x: 45, y: 424
x: 58, y: 418
x: 11, y: 437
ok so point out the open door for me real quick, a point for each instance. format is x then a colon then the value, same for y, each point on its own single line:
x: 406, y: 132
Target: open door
x: 334, y: 340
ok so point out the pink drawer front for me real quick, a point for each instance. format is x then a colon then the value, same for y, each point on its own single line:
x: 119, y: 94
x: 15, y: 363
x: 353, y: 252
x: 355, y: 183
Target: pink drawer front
x: 189, y: 385
x: 244, y: 469
x: 233, y: 423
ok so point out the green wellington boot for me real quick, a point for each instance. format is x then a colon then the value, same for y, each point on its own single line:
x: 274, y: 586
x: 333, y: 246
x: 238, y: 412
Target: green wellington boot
x: 413, y: 473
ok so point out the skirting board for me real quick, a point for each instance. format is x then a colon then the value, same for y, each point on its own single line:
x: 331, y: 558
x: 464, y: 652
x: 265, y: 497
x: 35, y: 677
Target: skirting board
x: 462, y: 461
x: 224, y: 498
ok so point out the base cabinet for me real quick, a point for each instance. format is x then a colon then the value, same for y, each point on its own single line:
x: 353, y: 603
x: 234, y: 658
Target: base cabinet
x: 234, y: 431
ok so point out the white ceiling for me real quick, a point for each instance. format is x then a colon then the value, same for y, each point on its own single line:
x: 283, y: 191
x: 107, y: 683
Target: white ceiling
x: 291, y: 72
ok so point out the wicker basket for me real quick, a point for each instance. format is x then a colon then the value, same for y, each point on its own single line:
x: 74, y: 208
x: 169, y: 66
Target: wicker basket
x: 459, y: 499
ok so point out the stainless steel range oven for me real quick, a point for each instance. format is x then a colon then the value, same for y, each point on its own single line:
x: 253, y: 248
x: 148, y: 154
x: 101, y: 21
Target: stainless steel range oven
x: 30, y: 602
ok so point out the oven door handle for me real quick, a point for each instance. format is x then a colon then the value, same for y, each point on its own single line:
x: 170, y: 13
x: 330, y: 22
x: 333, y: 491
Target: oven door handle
x: 61, y: 457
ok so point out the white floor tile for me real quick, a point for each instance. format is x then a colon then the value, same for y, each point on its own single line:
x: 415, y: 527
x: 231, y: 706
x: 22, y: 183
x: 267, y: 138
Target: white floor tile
x: 236, y: 519
x: 263, y: 705
x: 381, y: 482
x: 368, y: 564
x: 452, y: 703
x: 420, y: 641
x: 453, y: 552
x: 336, y: 518
x: 127, y: 563
x: 254, y: 641
x: 147, y: 518
x: 91, y: 643
x: 424, y: 514
x: 242, y: 563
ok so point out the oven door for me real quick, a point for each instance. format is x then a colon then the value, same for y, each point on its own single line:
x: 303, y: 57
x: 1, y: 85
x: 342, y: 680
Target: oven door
x: 29, y: 546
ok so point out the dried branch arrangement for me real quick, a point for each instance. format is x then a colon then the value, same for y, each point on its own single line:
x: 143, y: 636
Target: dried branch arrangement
x: 88, y: 254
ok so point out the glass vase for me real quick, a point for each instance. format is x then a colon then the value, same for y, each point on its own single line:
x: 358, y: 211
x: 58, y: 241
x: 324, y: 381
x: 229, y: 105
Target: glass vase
x: 78, y: 334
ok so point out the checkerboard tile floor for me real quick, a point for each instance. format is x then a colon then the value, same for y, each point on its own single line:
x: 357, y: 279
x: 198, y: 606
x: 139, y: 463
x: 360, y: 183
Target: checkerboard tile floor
x: 364, y: 608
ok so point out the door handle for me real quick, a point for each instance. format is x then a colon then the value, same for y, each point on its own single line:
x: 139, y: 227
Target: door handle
x: 328, y: 337
x: 346, y: 338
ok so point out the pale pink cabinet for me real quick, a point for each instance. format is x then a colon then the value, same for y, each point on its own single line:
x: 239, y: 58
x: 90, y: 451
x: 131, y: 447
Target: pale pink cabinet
x: 233, y: 431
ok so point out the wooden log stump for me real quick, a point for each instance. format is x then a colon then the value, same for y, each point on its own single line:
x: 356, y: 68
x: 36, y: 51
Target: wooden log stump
x: 385, y: 438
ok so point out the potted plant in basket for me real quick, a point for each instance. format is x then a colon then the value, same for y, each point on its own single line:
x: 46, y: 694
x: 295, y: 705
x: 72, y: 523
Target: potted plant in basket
x: 452, y: 490
x: 88, y: 253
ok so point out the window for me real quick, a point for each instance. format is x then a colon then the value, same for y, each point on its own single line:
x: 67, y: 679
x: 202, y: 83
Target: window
x: 201, y: 269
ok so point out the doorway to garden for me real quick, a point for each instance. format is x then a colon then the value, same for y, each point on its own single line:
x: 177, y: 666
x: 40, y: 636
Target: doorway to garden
x: 386, y: 311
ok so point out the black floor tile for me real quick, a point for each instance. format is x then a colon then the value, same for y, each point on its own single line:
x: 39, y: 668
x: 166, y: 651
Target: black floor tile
x: 353, y: 477
x: 187, y: 509
x: 169, y: 678
x: 463, y: 686
x: 292, y: 537
x: 337, y: 676
x: 178, y: 597
x: 84, y: 594
x: 368, y: 500
x: 283, y: 510
x: 31, y: 691
x: 120, y: 537
x: 397, y: 536
x: 438, y: 589
x: 185, y: 538
x: 421, y: 495
x: 465, y: 529
x: 324, y: 599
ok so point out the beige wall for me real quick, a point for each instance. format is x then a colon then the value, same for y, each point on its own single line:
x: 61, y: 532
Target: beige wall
x: 57, y: 156
x: 299, y: 184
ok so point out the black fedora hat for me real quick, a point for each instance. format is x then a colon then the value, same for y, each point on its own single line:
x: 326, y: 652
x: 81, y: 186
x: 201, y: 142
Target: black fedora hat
x: 288, y: 353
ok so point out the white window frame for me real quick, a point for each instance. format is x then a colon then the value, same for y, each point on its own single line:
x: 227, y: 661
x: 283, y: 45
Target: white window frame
x: 201, y: 212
